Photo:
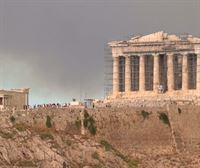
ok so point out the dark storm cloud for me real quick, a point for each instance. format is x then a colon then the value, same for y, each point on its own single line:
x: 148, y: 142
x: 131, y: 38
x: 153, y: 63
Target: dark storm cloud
x: 56, y: 47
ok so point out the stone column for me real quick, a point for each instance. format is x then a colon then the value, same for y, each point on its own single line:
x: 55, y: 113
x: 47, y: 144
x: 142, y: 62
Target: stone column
x: 170, y: 72
x: 3, y: 101
x: 128, y: 74
x: 155, y: 72
x: 142, y: 73
x: 27, y: 99
x: 185, y: 73
x: 198, y: 72
x: 115, y: 75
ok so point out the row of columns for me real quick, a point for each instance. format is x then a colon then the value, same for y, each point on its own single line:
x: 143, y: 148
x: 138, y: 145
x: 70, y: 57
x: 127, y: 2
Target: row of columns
x: 5, y: 101
x: 170, y: 73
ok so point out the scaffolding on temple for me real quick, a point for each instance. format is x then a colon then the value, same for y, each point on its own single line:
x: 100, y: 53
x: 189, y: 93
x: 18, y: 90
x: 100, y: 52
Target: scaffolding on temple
x: 108, y: 71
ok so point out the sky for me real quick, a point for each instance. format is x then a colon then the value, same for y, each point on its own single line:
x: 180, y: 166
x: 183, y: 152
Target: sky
x: 56, y: 47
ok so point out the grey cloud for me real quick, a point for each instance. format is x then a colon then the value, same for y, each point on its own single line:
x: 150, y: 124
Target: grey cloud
x: 57, y: 47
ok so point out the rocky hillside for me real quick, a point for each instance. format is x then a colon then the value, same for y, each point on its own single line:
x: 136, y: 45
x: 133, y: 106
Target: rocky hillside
x: 114, y: 137
x: 25, y: 145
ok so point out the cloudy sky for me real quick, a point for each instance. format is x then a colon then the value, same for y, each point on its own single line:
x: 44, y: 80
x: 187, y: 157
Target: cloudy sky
x: 56, y: 47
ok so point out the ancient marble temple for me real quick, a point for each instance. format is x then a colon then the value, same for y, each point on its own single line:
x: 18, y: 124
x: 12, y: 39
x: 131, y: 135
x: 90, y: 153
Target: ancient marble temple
x: 154, y: 64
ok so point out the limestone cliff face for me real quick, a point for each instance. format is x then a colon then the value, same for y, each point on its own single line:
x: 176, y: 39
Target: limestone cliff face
x: 26, y: 142
x: 146, y: 135
x: 129, y: 129
x: 140, y: 133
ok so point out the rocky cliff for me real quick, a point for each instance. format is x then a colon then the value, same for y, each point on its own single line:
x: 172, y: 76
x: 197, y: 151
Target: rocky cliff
x: 124, y: 137
x: 26, y: 141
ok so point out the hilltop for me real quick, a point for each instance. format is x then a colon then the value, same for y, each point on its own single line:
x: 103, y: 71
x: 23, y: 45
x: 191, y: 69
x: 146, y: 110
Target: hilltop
x: 115, y: 137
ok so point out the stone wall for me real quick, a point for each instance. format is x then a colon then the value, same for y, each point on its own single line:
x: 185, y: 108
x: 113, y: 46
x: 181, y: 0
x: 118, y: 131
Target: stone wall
x: 18, y: 100
x: 127, y: 128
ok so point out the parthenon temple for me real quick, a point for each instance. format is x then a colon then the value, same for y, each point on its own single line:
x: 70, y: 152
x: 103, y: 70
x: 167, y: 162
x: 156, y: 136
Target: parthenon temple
x: 156, y: 64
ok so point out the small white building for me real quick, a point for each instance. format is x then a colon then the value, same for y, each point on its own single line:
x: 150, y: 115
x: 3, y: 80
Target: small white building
x: 14, y: 98
x: 89, y: 103
x: 75, y: 103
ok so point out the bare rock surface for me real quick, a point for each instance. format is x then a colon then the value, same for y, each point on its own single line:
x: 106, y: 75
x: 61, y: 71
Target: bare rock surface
x: 127, y: 137
x: 23, y: 145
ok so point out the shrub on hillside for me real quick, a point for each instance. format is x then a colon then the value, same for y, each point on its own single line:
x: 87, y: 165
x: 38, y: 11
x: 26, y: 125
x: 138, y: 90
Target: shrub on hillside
x: 46, y: 136
x: 164, y: 118
x: 179, y: 111
x: 20, y: 127
x: 108, y: 147
x: 12, y: 119
x: 145, y: 114
x: 95, y: 155
x: 48, y: 122
x: 26, y: 163
x: 89, y: 123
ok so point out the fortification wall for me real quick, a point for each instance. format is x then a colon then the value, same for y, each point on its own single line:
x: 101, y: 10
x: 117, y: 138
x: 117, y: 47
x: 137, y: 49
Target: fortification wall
x: 186, y: 123
x: 62, y: 119
x: 126, y: 128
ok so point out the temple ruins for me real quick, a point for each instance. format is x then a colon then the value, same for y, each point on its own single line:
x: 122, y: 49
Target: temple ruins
x: 14, y: 98
x: 156, y: 64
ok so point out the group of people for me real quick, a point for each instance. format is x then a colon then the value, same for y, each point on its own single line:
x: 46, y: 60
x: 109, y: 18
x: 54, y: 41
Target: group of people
x: 50, y: 105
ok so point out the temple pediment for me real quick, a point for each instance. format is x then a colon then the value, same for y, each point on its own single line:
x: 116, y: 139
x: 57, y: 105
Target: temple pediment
x: 155, y: 37
x: 157, y: 42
